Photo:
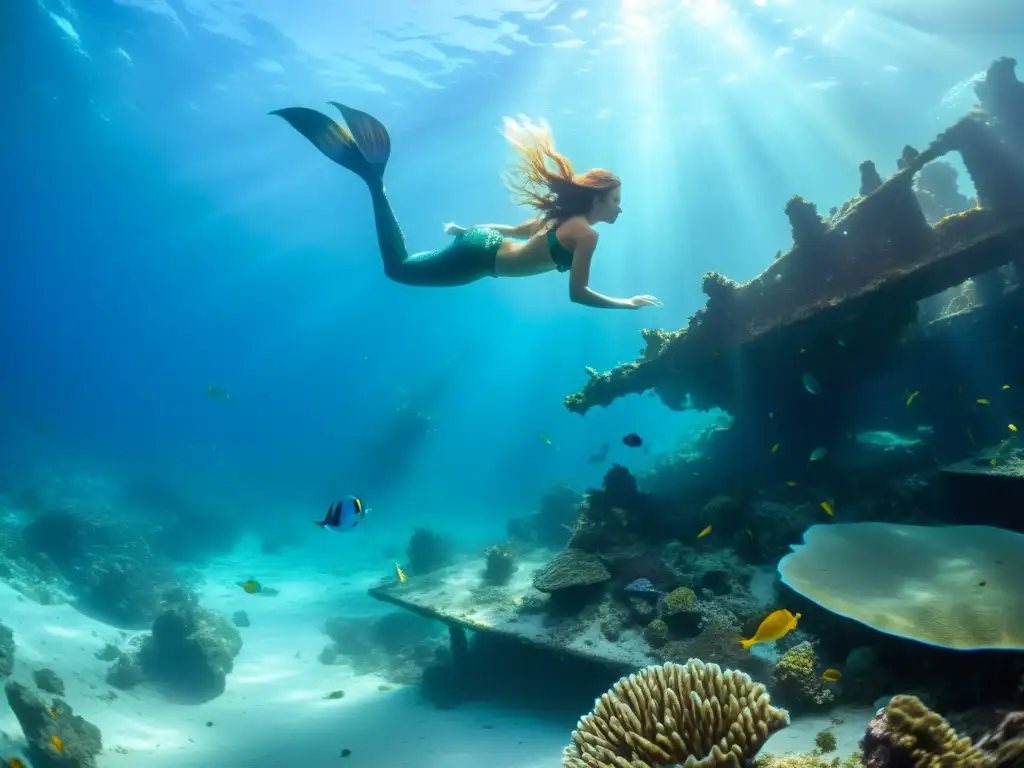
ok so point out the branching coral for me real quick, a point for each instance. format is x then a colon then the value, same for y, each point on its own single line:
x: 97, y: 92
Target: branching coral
x: 694, y: 715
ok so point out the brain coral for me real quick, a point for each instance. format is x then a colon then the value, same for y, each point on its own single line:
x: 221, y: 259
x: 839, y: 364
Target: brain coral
x: 954, y: 587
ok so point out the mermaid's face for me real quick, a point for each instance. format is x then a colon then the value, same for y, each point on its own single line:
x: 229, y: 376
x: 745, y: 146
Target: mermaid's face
x: 608, y: 206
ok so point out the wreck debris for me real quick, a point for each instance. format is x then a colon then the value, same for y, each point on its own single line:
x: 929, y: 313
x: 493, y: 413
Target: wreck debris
x: 867, y: 266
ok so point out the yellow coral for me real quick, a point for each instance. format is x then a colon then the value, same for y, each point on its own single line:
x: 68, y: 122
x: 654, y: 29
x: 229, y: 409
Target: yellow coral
x: 930, y: 740
x: 693, y: 714
x: 797, y: 680
x: 680, y: 600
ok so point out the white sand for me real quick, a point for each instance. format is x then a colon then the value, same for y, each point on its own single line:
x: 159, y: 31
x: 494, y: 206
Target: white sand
x: 273, y: 713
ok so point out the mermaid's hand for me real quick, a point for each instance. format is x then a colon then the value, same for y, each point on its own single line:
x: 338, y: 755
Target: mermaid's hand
x: 453, y: 229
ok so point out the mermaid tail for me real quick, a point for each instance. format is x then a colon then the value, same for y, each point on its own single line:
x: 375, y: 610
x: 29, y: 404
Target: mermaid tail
x: 362, y: 147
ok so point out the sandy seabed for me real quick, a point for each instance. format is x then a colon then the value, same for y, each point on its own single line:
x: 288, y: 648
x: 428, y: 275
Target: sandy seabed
x: 273, y: 713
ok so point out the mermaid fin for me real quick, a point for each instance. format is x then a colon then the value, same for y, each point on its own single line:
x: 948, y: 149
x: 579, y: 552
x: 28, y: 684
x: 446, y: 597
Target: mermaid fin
x: 369, y: 135
x: 334, y: 140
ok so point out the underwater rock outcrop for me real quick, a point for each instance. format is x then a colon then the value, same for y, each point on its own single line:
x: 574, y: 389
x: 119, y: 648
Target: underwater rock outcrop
x: 618, y: 515
x: 7, y: 650
x: 188, y: 654
x: 62, y: 741
x: 548, y: 526
x: 427, y: 551
x: 109, y: 564
x: 908, y: 734
x: 797, y: 682
x: 857, y: 275
x: 694, y: 714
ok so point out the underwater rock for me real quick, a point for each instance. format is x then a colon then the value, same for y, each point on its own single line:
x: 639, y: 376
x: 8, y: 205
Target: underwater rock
x: 188, y: 653
x: 906, y: 733
x: 108, y: 563
x: 500, y: 565
x: 618, y: 516
x: 427, y: 551
x: 81, y: 740
x: 549, y: 525
x: 7, y: 649
x: 48, y: 681
x: 126, y: 671
x: 796, y: 680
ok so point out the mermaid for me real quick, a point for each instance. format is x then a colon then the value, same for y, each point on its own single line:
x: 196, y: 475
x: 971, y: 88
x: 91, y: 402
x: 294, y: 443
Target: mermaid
x: 561, y: 235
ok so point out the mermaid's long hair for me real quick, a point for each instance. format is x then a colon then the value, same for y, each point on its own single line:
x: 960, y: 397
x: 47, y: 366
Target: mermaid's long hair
x: 544, y: 179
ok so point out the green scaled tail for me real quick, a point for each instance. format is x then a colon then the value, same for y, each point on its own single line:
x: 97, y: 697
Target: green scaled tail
x: 336, y: 141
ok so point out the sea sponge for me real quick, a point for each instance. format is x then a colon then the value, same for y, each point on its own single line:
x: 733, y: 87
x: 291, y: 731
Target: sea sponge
x: 796, y: 680
x: 694, y: 715
x: 907, y: 733
x: 953, y: 587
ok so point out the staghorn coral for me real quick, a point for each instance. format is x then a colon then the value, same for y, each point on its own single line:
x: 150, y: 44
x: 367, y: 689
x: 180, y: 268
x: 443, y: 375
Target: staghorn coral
x: 796, y: 681
x: 694, y: 715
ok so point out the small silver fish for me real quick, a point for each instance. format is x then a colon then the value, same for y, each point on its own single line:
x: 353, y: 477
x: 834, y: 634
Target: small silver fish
x: 811, y: 384
x: 818, y: 453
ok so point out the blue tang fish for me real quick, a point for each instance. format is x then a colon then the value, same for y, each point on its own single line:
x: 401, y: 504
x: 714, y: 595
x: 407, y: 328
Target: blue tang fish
x: 344, y: 515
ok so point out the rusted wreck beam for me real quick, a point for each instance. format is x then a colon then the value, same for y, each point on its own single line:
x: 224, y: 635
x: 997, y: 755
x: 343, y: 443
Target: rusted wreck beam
x: 879, y: 252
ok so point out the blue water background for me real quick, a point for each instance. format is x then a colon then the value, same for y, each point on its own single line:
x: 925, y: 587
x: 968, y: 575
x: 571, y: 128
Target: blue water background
x: 161, y: 233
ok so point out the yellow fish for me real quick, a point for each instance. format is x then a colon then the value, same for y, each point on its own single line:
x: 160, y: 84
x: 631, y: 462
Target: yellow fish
x: 993, y: 462
x: 913, y: 396
x: 775, y: 626
x: 251, y: 586
x: 1006, y: 386
x: 704, y: 533
x: 57, y: 743
x: 981, y: 401
x: 400, y: 574
x: 15, y: 762
x: 828, y: 507
x: 831, y: 675
x: 776, y: 447
x: 1012, y: 427
x: 791, y: 483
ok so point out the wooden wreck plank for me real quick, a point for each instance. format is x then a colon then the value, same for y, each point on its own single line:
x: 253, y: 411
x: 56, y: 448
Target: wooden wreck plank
x: 456, y: 596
